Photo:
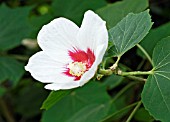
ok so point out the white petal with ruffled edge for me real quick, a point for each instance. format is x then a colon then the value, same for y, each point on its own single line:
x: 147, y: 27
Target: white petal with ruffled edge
x: 57, y: 37
x: 92, y: 32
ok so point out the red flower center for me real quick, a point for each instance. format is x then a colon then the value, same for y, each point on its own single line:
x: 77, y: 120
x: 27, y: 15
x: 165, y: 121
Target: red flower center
x: 81, y: 62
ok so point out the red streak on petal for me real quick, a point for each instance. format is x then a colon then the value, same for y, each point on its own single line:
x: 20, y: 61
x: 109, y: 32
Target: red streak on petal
x: 91, y: 57
x: 81, y: 56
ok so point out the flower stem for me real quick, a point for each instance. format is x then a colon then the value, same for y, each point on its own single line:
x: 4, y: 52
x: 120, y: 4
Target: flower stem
x: 145, y: 53
x: 134, y: 111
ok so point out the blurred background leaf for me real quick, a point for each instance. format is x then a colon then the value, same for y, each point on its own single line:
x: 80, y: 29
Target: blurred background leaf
x: 113, y: 13
x: 149, y: 42
x: 11, y: 70
x: 14, y: 26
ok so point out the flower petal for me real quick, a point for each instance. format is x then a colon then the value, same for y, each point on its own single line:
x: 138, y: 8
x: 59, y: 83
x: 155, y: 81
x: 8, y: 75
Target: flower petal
x: 59, y: 86
x: 57, y: 37
x: 44, y: 69
x: 92, y: 32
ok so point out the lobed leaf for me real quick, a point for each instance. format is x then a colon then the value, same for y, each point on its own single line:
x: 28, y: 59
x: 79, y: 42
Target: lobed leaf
x: 129, y: 32
x: 156, y: 93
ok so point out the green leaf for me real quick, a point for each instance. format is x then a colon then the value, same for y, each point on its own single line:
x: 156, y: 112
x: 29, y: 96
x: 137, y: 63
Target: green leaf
x: 74, y: 9
x: 149, y: 42
x: 112, y: 13
x: 156, y: 93
x: 129, y: 32
x: 91, y: 113
x: 10, y: 69
x: 143, y: 116
x: 27, y: 100
x: 13, y: 26
x: 54, y: 97
x: 91, y: 98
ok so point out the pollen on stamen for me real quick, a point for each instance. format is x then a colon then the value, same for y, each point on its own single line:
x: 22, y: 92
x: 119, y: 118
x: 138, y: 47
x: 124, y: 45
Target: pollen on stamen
x: 77, y: 68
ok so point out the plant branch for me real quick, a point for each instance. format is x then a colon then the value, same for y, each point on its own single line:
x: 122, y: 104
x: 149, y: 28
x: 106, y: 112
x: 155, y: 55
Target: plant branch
x: 145, y: 53
x: 114, y: 66
x: 136, y: 78
x: 19, y: 57
x: 135, y: 73
x: 134, y: 111
x: 119, y: 72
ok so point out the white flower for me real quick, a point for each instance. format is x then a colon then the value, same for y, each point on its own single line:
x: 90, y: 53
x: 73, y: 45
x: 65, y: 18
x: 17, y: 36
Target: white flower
x: 70, y: 55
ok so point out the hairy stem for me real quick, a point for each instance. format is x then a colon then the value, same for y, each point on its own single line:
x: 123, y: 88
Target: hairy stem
x: 135, y: 73
x: 126, y: 74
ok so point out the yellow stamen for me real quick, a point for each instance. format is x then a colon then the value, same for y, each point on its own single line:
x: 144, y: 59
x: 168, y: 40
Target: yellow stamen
x: 77, y: 68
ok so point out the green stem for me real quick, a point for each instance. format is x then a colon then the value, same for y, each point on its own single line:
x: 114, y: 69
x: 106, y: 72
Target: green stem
x: 114, y: 66
x: 105, y: 71
x: 141, y: 64
x: 109, y: 72
x: 123, y: 90
x: 134, y: 111
x: 18, y: 57
x: 6, y: 112
x: 136, y: 78
x: 127, y: 74
x: 104, y: 63
x: 145, y: 53
x: 135, y: 73
x: 118, y: 112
